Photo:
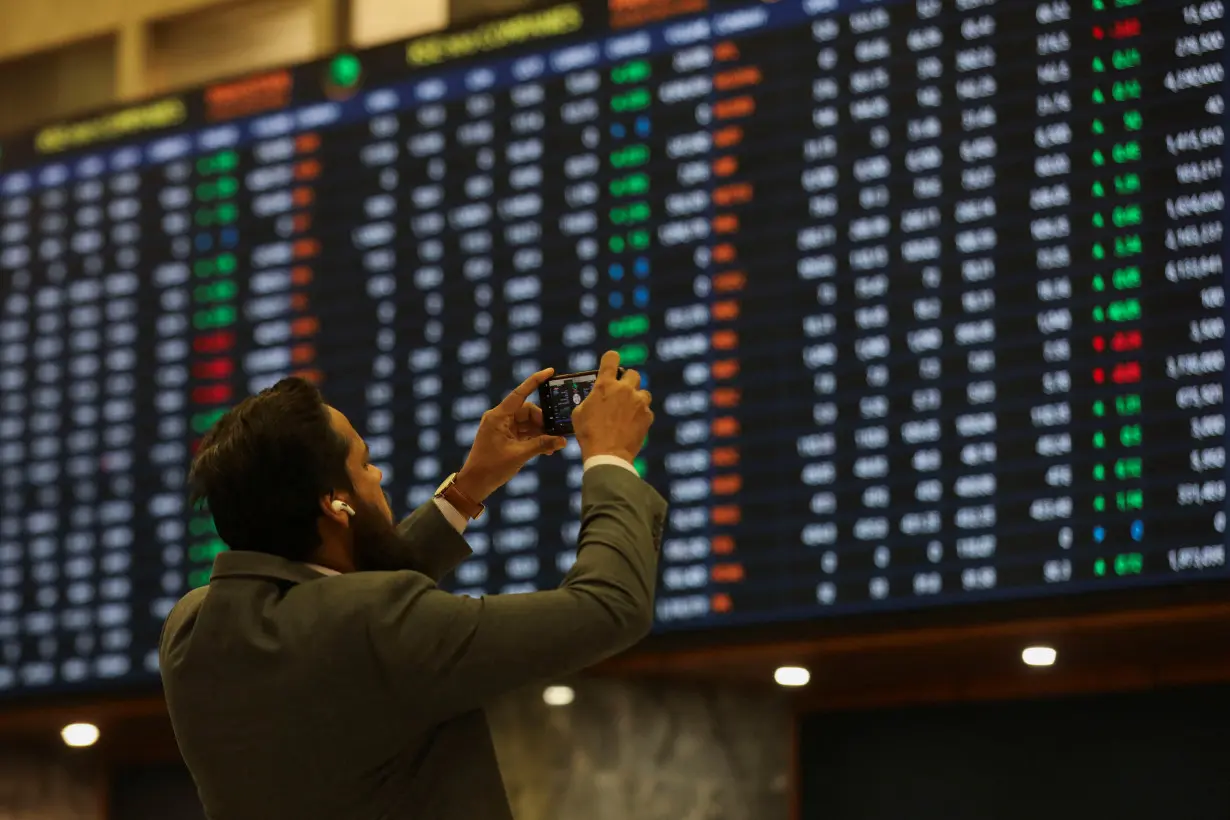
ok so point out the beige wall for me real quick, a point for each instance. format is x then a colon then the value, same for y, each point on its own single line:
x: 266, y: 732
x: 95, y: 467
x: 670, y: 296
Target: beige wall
x: 63, y: 57
x: 379, y: 21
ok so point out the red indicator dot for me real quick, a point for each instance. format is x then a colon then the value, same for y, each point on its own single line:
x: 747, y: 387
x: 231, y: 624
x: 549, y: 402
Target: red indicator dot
x: 1099, y: 344
x: 1098, y: 34
x: 1099, y: 375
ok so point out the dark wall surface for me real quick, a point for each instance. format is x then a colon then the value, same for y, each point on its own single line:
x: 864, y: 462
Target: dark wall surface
x: 1161, y: 755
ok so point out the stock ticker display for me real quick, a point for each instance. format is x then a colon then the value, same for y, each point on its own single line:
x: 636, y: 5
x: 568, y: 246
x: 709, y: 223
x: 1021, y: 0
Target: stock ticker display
x: 929, y: 295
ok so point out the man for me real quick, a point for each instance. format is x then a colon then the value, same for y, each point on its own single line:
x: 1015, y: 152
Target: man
x: 322, y: 674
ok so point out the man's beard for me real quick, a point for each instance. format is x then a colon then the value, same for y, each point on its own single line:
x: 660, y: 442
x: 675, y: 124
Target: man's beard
x: 378, y: 546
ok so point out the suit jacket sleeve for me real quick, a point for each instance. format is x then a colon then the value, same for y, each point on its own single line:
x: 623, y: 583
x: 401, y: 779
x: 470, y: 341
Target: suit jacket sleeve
x: 433, y: 547
x: 450, y: 654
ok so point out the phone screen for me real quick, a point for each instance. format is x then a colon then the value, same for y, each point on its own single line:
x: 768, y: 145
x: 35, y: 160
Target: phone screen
x: 562, y: 397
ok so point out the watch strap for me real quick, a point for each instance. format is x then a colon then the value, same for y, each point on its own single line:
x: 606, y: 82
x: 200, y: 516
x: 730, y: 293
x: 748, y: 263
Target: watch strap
x: 461, y: 502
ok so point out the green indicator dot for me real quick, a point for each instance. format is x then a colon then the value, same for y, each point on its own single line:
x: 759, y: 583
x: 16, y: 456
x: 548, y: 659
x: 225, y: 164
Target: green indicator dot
x: 1128, y: 404
x: 227, y: 187
x: 630, y: 185
x: 1125, y: 58
x: 633, y: 72
x: 217, y: 292
x: 206, y: 551
x: 1126, y: 215
x: 206, y: 191
x: 1099, y: 439
x: 1132, y: 120
x: 1099, y: 315
x: 199, y: 577
x: 227, y: 213
x: 204, y: 268
x: 1124, y: 310
x: 617, y: 244
x: 226, y: 263
x: 639, y: 240
x: 1098, y: 158
x: 226, y: 161
x: 204, y: 165
x: 633, y: 354
x: 1131, y: 435
x: 1098, y: 283
x: 1099, y: 252
x: 1126, y: 90
x: 1098, y: 5
x: 1099, y: 408
x: 1099, y: 472
x: 1127, y: 183
x: 1099, y: 221
x: 1098, y: 96
x: 1098, y: 65
x: 1098, y: 128
x: 630, y: 156
x: 1126, y: 278
x: 635, y: 100
x: 345, y: 70
x: 1099, y: 503
x: 204, y: 217
x: 1130, y: 563
x: 201, y: 422
x: 1099, y: 567
x: 202, y: 526
x: 628, y: 326
x: 221, y: 316
x: 1099, y: 189
x: 639, y: 464
x: 1126, y: 152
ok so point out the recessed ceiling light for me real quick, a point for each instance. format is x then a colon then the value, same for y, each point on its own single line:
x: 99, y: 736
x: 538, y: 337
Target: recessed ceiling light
x: 558, y: 695
x: 79, y: 734
x: 792, y: 676
x: 1038, y: 655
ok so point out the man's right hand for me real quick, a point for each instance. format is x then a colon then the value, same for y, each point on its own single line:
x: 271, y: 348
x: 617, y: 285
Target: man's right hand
x: 614, y: 418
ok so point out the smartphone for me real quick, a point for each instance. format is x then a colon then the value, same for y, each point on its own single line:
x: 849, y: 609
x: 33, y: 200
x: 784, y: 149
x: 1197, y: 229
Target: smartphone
x: 559, y: 395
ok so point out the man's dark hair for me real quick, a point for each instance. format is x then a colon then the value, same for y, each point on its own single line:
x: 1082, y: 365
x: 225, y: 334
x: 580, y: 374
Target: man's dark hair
x: 262, y: 469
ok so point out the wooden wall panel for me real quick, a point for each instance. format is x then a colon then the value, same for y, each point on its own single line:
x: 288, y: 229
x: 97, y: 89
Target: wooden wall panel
x: 40, y: 87
x: 222, y: 42
x: 381, y: 21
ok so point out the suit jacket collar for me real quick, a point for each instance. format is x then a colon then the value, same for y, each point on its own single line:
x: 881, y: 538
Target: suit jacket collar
x: 248, y: 564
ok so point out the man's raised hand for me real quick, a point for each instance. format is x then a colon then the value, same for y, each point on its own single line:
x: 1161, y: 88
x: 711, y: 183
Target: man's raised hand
x: 509, y: 435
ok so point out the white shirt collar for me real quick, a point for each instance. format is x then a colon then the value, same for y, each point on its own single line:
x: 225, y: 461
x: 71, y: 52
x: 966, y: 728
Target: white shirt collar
x: 323, y: 570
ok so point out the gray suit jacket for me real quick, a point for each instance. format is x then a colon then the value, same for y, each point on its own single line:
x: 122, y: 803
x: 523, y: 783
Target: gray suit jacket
x: 355, y: 697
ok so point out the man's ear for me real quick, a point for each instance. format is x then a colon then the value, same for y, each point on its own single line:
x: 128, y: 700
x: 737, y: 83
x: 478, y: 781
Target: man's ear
x: 337, y: 509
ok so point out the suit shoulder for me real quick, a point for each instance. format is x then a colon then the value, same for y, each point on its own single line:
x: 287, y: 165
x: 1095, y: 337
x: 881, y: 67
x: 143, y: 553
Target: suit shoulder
x: 186, y: 606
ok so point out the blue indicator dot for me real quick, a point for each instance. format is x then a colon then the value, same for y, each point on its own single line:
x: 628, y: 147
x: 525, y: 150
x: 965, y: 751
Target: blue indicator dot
x: 1099, y: 534
x: 204, y: 242
x: 230, y: 237
x: 617, y: 300
x: 1138, y: 530
x: 618, y: 131
x: 641, y: 296
x: 617, y: 271
x: 642, y: 267
x: 642, y: 126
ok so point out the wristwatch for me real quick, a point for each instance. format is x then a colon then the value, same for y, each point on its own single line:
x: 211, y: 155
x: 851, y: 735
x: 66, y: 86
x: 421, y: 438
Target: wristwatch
x: 462, y: 503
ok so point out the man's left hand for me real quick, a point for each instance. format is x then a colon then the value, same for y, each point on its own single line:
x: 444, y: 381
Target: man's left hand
x: 509, y: 435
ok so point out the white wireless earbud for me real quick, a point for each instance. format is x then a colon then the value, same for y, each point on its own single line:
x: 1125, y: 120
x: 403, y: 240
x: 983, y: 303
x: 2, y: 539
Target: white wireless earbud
x: 342, y: 506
